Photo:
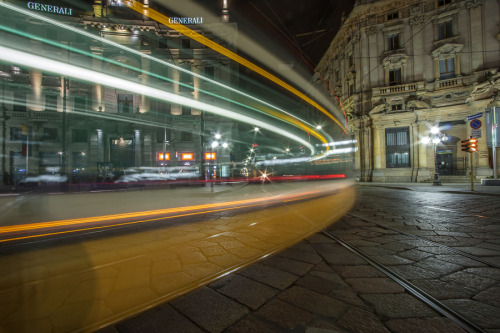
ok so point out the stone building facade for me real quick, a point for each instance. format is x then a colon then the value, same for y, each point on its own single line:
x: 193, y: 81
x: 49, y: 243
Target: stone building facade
x: 401, y: 68
x: 54, y: 125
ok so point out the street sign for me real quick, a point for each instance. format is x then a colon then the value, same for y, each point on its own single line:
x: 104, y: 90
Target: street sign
x: 476, y: 133
x: 474, y: 116
x: 475, y: 124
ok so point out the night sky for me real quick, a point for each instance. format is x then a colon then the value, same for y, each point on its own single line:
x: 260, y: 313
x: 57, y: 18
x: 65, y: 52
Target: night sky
x: 304, y: 27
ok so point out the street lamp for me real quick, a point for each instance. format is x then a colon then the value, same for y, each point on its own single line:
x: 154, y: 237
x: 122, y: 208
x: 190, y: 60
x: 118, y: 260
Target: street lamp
x: 216, y: 145
x: 435, y: 137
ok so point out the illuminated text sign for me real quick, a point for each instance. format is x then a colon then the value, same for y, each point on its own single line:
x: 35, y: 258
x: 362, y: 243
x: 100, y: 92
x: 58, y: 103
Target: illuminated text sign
x: 50, y: 8
x: 185, y: 20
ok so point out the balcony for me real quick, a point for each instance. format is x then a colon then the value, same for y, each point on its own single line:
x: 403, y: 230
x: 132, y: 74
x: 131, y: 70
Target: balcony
x: 399, y: 89
x: 449, y: 83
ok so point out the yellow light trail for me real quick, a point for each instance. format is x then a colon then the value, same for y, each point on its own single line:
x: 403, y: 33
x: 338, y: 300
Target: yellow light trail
x: 179, y: 211
x: 153, y: 14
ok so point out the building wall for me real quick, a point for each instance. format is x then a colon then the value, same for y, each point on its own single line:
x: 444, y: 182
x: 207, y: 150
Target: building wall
x: 112, y: 126
x: 384, y: 89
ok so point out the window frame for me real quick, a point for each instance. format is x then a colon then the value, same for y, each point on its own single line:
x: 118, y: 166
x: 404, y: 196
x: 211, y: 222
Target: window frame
x: 49, y: 106
x: 394, y: 81
x: 50, y: 134
x: 393, y: 42
x: 399, y: 148
x: 392, y: 15
x: 445, y: 29
x: 448, y: 73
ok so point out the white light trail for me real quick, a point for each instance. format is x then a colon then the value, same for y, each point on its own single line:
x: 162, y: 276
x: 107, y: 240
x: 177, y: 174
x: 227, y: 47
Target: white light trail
x: 64, y: 69
x: 143, y: 55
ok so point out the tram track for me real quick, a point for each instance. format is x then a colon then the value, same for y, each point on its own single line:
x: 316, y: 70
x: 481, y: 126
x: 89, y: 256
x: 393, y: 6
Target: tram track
x: 416, y: 291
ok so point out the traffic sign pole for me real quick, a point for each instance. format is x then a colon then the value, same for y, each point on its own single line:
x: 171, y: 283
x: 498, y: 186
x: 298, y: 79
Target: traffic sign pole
x: 471, y: 173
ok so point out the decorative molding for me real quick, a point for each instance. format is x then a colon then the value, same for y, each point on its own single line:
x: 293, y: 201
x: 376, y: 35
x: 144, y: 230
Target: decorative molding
x: 370, y: 31
x: 395, y: 60
x: 451, y: 14
x: 355, y: 38
x: 416, y: 9
x: 417, y: 20
x: 446, y: 51
x: 473, y: 3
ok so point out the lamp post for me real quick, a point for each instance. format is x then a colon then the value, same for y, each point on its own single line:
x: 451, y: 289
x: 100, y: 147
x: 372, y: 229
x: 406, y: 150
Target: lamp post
x: 216, y: 145
x: 435, y: 137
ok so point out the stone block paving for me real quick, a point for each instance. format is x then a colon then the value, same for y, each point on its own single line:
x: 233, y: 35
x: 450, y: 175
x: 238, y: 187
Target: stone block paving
x: 319, y: 286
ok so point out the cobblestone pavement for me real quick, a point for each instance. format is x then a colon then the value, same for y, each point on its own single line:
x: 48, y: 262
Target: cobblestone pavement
x: 444, y: 241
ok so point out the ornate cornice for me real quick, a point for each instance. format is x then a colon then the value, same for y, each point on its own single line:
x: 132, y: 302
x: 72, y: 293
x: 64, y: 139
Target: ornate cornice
x: 447, y: 50
x: 473, y: 3
x: 372, y: 30
x: 417, y: 20
x: 398, y: 59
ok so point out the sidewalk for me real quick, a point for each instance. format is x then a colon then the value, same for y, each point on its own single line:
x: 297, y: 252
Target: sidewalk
x: 464, y: 188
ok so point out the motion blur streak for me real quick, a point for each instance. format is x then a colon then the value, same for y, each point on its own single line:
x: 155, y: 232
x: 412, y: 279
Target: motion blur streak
x: 33, y: 61
x: 143, y: 55
x: 231, y: 55
x: 202, y: 208
x: 282, y: 115
x: 271, y: 56
x: 90, y: 282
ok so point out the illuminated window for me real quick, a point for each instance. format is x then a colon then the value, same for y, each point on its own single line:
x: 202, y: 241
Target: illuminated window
x: 395, y: 77
x: 397, y: 147
x: 446, y: 68
x: 444, y: 29
x: 210, y: 156
x: 393, y: 41
x: 187, y: 156
x: 163, y: 156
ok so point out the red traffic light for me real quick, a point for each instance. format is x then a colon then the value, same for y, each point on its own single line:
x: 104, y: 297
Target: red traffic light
x: 469, y: 145
x: 472, y: 144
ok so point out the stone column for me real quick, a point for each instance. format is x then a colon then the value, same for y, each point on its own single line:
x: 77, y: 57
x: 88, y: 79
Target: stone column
x: 377, y: 149
x: 424, y: 169
x: 36, y: 98
x: 100, y: 147
x: 357, y: 155
x: 144, y: 103
x: 137, y: 147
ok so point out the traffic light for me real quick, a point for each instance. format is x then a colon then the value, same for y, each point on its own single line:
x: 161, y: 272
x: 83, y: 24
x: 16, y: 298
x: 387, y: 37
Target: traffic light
x: 472, y: 145
x: 469, y: 145
x: 465, y: 145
